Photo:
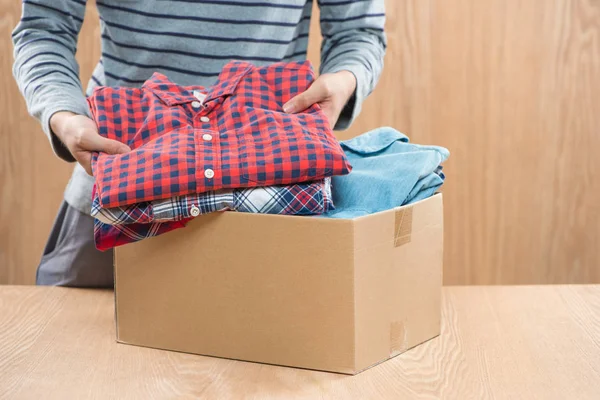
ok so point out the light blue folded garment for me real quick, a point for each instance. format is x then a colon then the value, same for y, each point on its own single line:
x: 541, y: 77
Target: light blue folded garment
x: 387, y: 172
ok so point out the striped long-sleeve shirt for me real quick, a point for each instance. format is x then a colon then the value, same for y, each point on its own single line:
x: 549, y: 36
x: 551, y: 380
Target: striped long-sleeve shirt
x: 187, y: 40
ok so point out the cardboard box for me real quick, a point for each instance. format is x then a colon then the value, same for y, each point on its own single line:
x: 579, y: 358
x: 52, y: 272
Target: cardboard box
x: 325, y: 294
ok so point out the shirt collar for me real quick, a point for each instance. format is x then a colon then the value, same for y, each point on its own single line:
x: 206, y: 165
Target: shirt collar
x: 172, y: 94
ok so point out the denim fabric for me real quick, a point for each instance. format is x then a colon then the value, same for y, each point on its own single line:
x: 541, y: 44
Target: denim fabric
x: 388, y: 172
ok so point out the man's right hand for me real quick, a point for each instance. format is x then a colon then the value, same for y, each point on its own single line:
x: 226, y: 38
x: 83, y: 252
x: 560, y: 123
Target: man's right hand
x: 80, y: 135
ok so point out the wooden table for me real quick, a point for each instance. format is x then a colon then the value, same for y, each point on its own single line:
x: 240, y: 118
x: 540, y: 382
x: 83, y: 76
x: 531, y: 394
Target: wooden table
x: 530, y: 342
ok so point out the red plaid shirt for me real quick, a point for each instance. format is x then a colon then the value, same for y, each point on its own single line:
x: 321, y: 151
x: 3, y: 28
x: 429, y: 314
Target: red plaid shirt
x: 194, y: 139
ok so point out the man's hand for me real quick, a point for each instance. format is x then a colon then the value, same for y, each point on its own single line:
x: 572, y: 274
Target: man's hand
x: 80, y: 135
x: 330, y: 91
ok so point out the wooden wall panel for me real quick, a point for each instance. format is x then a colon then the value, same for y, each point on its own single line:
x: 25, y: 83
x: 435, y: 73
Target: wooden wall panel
x: 511, y: 87
x: 32, y: 179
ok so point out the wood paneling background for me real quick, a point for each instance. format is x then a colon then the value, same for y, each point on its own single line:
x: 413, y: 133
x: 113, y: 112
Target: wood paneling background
x: 32, y: 179
x: 511, y: 87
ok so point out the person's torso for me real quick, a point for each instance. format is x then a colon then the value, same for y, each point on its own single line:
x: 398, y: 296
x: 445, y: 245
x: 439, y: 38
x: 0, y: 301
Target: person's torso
x: 191, y: 40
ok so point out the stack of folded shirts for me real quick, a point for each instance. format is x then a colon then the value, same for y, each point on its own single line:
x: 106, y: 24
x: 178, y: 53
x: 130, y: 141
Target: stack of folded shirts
x: 197, y: 150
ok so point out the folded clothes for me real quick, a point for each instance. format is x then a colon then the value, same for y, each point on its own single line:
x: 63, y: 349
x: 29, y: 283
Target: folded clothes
x: 108, y: 236
x: 388, y: 172
x: 299, y: 199
x: 121, y: 225
x: 192, y: 139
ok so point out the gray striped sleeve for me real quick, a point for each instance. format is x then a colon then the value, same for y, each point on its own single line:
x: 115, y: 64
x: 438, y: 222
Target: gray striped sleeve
x: 45, y: 42
x: 353, y: 40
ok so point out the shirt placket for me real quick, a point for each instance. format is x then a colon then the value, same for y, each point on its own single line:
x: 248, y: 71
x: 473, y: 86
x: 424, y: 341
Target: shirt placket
x: 208, y: 149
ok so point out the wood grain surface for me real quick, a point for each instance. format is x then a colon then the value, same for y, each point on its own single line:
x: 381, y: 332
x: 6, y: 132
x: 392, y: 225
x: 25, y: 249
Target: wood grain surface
x: 511, y: 87
x: 523, y: 342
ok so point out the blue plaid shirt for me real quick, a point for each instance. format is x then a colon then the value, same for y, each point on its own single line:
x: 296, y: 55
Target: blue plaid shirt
x: 300, y: 199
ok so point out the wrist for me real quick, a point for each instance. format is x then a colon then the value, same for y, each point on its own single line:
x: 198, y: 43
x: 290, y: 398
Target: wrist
x: 57, y: 122
x: 349, y: 82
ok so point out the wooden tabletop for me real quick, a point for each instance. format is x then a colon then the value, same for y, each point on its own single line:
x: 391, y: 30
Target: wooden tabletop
x: 530, y: 342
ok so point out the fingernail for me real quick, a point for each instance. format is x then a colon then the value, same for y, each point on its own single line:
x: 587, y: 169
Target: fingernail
x: 288, y: 108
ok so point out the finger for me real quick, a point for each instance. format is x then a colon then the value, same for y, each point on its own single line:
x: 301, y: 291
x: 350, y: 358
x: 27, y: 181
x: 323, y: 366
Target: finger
x: 85, y: 159
x: 96, y: 142
x: 301, y: 102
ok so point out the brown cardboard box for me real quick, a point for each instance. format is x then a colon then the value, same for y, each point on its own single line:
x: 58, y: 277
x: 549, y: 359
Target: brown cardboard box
x: 326, y: 294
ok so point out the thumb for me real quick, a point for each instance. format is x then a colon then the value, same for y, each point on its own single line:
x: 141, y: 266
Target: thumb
x: 304, y: 100
x: 99, y: 143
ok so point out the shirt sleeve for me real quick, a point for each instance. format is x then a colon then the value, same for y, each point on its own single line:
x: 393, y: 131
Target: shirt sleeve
x: 353, y: 40
x: 45, y: 68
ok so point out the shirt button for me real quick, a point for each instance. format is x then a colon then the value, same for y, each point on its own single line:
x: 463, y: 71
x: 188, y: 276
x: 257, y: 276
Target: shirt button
x: 209, y: 173
x: 194, y: 211
x: 196, y: 104
x: 204, y: 119
x: 207, y: 137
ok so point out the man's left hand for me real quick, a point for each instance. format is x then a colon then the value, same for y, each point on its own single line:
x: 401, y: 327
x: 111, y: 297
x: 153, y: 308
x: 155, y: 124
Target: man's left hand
x: 330, y: 91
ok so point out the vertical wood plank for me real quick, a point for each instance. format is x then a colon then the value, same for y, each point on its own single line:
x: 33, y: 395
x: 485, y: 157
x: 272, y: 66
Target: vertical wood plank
x: 32, y: 179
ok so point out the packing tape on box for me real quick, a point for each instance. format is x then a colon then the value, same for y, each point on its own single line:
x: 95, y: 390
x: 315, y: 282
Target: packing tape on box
x: 403, y: 228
